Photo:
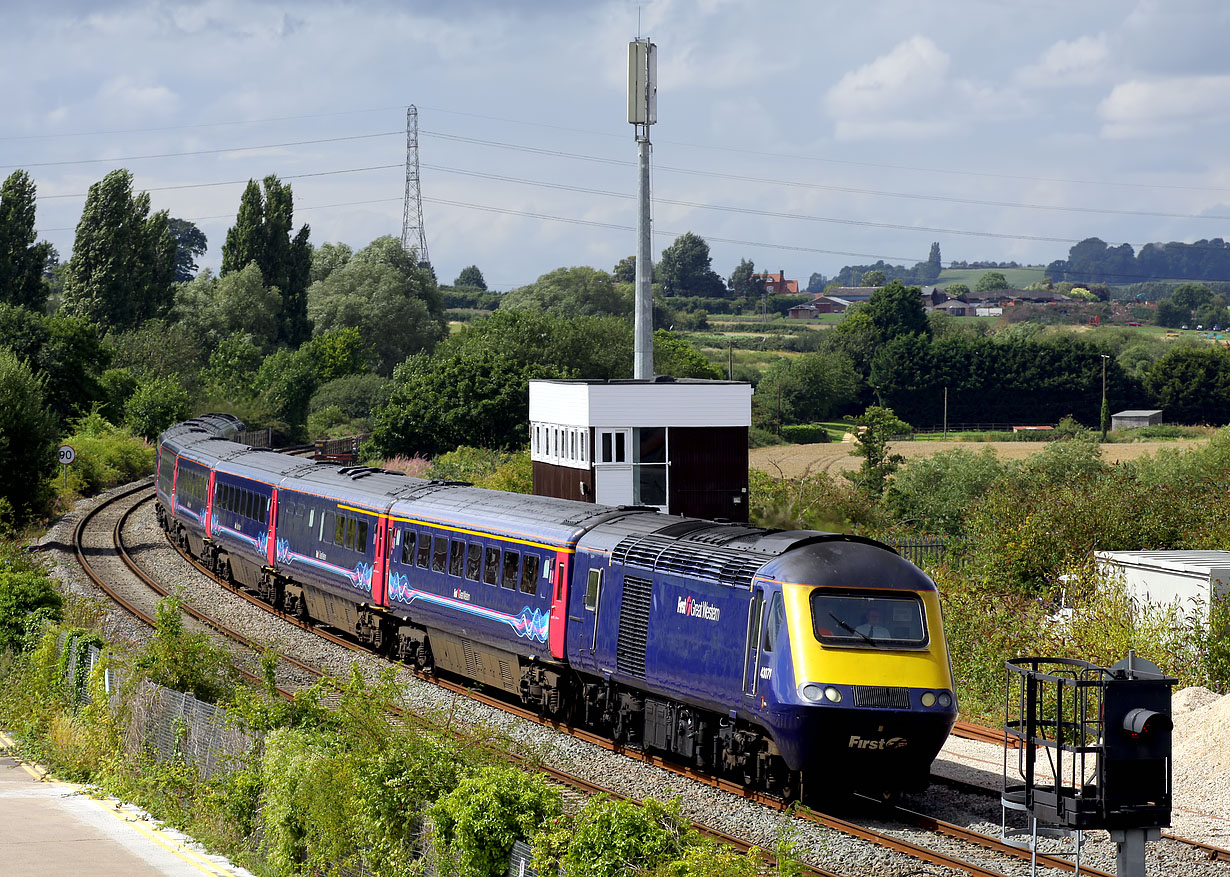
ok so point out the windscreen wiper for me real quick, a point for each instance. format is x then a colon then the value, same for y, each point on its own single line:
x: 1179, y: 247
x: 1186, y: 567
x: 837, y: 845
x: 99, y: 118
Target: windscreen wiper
x: 851, y: 629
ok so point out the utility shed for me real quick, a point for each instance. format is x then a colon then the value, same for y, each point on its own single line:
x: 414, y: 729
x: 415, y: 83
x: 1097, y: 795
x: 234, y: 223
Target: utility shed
x: 677, y: 444
x: 1193, y: 578
x: 1135, y: 419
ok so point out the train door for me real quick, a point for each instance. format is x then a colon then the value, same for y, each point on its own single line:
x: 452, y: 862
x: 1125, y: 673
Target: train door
x: 209, y: 506
x: 583, y: 619
x: 751, y: 656
x: 383, y: 548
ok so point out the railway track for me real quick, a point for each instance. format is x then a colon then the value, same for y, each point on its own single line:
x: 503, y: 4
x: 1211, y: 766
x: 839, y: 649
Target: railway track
x: 991, y: 857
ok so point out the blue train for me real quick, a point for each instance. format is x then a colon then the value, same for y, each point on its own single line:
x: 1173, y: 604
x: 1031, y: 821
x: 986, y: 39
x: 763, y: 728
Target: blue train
x: 803, y: 663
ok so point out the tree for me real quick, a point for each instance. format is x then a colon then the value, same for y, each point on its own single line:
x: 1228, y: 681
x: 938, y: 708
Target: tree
x: 213, y: 308
x: 1192, y: 385
x: 327, y: 258
x: 470, y: 278
x: 155, y: 405
x: 286, y: 381
x: 261, y: 235
x: 677, y: 357
x: 990, y: 281
x: 876, y: 427
x: 625, y: 270
x: 930, y: 270
x: 956, y: 290
x: 28, y: 436
x: 381, y: 291
x: 473, y: 389
x: 190, y: 243
x: 873, y: 278
x: 123, y: 260
x: 806, y: 388
x: 816, y: 283
x: 686, y: 268
x: 577, y: 292
x: 22, y: 261
x: 744, y: 283
x: 896, y: 309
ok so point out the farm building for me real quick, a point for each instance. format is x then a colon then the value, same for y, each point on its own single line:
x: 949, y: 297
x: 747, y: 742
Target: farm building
x: 1135, y: 419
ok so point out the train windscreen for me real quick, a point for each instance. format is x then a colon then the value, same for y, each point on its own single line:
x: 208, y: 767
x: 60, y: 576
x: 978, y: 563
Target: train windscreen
x: 868, y: 619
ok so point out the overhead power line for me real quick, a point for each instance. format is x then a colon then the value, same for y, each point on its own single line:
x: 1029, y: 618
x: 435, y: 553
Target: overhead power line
x: 349, y: 170
x: 798, y: 184
x: 121, y: 158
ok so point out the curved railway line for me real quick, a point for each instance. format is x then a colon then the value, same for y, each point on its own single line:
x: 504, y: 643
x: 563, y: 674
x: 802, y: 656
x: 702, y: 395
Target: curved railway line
x: 111, y: 567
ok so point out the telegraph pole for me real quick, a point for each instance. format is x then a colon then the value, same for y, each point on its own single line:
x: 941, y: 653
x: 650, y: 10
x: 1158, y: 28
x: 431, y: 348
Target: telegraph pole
x: 643, y: 112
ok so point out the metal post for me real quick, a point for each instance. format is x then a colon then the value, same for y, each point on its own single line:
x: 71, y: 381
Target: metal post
x: 643, y: 329
x: 945, y: 413
x: 1130, y: 858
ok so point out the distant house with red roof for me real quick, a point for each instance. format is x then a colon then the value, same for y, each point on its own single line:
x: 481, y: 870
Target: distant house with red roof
x: 777, y: 284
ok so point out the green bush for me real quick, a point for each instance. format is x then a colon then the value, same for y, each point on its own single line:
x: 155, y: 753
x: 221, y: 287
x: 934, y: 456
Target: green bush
x: 805, y: 433
x: 28, y: 600
x: 155, y: 405
x: 107, y: 456
x: 934, y: 493
x: 515, y: 475
x: 184, y: 660
x: 762, y: 438
x: 355, y: 395
x: 612, y: 838
x: 468, y: 464
x: 477, y: 823
x: 27, y: 438
x: 816, y: 501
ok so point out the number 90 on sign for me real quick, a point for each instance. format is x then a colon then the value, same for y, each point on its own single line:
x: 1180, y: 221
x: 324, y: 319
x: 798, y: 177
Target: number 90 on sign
x: 66, y: 455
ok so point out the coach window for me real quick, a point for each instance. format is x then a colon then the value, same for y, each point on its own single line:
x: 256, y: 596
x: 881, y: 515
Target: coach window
x: 326, y: 526
x: 264, y: 509
x: 339, y: 531
x: 474, y: 561
x: 592, y: 586
x: 529, y: 574
x: 439, y: 554
x: 510, y: 569
x: 424, y: 557
x: 491, y: 571
x: 311, y: 519
x: 407, y: 547
x: 456, y: 557
x: 360, y: 541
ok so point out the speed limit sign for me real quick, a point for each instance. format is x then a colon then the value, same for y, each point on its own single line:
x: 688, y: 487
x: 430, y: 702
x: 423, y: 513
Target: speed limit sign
x: 66, y: 454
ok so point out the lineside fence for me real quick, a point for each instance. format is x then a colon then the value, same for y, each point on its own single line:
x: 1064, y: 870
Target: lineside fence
x: 926, y: 552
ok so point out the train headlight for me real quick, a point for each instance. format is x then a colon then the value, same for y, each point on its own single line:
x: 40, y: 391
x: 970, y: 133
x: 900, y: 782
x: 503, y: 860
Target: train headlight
x: 832, y: 693
x: 945, y: 699
x: 928, y: 698
x: 813, y: 692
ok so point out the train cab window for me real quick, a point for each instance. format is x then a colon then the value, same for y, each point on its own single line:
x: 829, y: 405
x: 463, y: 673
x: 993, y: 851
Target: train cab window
x: 439, y: 554
x: 491, y: 570
x: 424, y: 557
x: 456, y: 557
x: 868, y: 619
x: 474, y: 561
x: 407, y: 547
x: 529, y: 574
x: 592, y: 586
x: 509, y: 579
x: 773, y: 624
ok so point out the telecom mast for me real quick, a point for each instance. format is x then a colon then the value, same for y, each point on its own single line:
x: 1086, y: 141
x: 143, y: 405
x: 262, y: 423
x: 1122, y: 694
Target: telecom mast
x: 413, y: 234
x: 643, y: 112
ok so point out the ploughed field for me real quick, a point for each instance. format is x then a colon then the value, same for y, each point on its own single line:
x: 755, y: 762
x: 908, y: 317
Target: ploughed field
x: 794, y: 461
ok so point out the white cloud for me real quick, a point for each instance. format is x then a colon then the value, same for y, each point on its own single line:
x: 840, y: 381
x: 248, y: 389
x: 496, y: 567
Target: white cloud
x: 1160, y: 107
x: 897, y: 94
x: 1082, y: 61
x: 125, y: 94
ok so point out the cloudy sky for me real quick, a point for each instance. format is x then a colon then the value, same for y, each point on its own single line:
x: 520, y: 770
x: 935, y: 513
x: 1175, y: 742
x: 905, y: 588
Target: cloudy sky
x: 802, y: 134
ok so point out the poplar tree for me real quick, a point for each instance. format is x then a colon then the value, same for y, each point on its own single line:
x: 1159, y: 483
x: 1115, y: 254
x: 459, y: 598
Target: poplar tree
x: 21, y: 259
x: 261, y: 235
x: 123, y: 260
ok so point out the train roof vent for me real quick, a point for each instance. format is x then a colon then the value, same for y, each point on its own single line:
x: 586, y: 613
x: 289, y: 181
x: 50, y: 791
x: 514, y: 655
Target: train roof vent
x: 354, y: 472
x: 663, y: 554
x: 722, y: 535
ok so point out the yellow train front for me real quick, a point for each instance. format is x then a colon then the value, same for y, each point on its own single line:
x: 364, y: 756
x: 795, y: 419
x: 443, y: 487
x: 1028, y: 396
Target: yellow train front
x: 858, y: 693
